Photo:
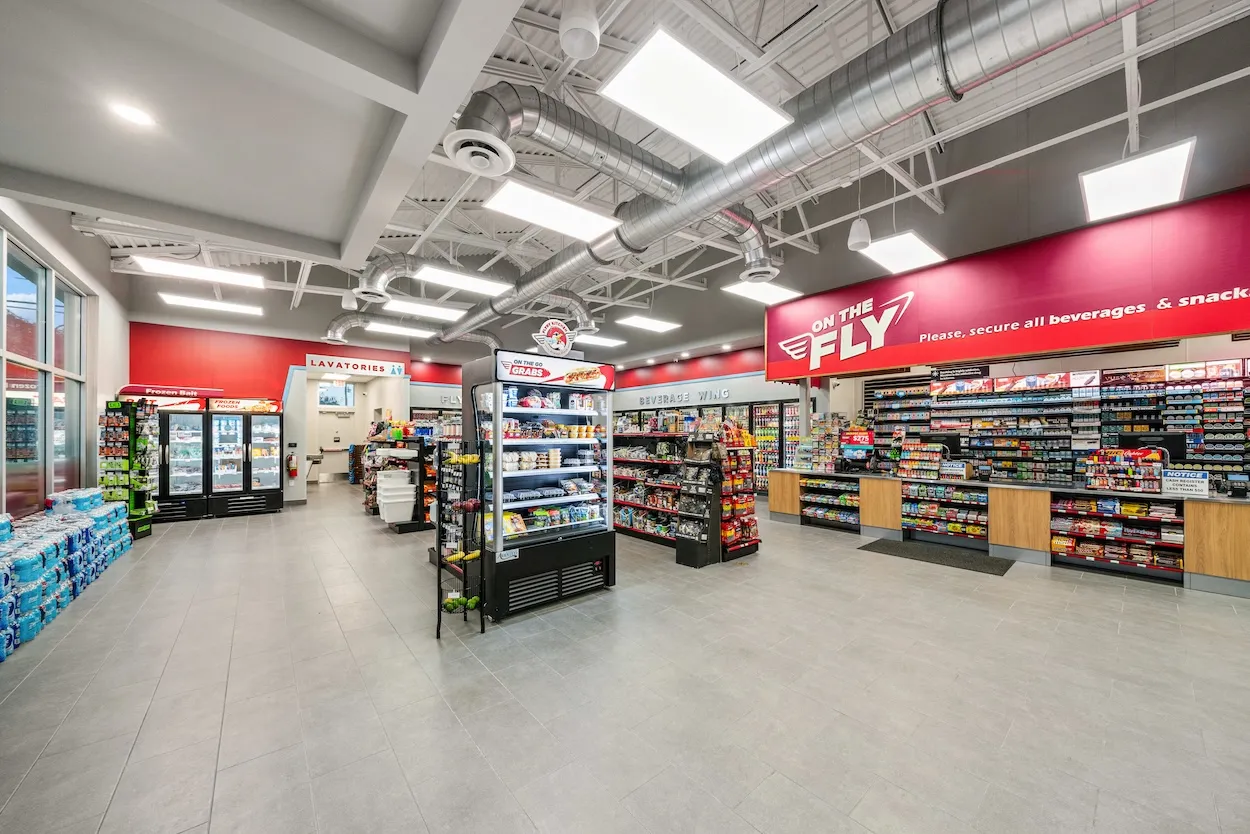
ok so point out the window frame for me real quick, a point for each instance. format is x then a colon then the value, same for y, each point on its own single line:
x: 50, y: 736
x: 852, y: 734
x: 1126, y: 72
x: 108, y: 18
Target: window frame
x: 46, y: 369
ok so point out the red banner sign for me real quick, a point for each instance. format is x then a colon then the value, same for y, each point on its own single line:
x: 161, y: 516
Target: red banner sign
x: 1032, y: 382
x: 1167, y: 275
x: 856, y: 438
x: 985, y: 385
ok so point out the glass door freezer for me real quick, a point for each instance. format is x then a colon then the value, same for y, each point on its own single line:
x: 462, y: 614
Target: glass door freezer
x: 182, y: 493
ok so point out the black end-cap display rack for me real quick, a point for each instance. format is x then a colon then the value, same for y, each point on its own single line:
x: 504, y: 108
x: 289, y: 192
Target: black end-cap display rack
x: 698, y: 528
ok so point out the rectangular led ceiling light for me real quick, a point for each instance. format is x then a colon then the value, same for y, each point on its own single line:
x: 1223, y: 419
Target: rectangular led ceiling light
x: 1144, y: 181
x: 602, y: 341
x: 676, y: 90
x: 210, y: 304
x: 764, y: 293
x: 398, y: 330
x: 429, y: 311
x: 339, y: 377
x: 654, y: 325
x: 183, y: 269
x: 460, y: 281
x: 903, y: 252
x: 543, y: 209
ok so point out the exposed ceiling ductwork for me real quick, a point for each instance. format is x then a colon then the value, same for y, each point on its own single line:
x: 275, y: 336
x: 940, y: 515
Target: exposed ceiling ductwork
x: 380, y: 272
x: 579, y: 308
x: 939, y: 57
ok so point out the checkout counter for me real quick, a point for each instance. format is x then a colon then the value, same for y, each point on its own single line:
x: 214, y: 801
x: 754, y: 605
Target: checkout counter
x: 1216, y: 545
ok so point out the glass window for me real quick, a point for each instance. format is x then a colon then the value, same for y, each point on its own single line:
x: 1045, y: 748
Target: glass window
x: 67, y: 329
x: 24, y: 471
x: 66, y: 434
x: 24, y: 305
x: 336, y: 394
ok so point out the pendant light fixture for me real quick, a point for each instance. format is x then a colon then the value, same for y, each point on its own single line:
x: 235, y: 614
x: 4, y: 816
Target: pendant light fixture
x: 860, y: 236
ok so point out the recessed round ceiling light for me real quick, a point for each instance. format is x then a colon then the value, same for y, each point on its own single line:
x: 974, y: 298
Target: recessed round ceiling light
x: 726, y: 347
x: 425, y: 359
x: 620, y: 367
x: 650, y: 361
x: 132, y: 114
x: 685, y: 354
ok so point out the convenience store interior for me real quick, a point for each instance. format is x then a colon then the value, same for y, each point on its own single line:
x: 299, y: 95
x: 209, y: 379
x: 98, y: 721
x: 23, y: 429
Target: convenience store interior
x: 417, y: 419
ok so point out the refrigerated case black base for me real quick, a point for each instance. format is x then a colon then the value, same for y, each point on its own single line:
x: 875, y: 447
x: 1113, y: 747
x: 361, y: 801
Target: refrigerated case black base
x: 247, y: 503
x: 181, y: 509
x: 548, y: 571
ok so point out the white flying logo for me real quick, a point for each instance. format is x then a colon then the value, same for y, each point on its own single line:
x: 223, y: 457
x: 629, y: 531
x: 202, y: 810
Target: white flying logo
x: 824, y: 340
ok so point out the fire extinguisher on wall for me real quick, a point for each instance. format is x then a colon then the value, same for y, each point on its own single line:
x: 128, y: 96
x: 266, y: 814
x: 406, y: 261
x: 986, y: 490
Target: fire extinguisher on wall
x: 292, y: 468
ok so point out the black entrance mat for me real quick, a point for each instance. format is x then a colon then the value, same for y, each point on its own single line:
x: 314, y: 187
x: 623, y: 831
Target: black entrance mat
x: 941, y: 554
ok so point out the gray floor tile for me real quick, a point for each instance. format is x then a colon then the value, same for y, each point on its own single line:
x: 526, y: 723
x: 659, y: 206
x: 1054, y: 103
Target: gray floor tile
x: 179, y: 721
x: 269, y: 794
x: 259, y: 726
x: 69, y: 787
x: 102, y: 716
x: 672, y: 804
x: 779, y: 806
x: 910, y: 697
x: 368, y: 795
x: 170, y: 792
x: 259, y: 673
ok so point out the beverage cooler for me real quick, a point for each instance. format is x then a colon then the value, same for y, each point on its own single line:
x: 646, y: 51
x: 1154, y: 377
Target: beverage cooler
x: 542, y: 426
x: 244, y: 464
x: 182, y: 489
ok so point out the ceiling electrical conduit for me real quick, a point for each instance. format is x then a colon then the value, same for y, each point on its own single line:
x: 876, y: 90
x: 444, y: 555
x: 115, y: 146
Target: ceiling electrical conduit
x: 939, y: 57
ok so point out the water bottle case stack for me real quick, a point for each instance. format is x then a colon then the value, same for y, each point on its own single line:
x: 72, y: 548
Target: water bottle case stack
x: 47, y: 561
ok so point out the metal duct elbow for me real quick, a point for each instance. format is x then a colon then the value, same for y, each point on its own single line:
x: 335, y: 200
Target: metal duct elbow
x: 479, y: 144
x: 336, y: 330
x: 579, y: 308
x: 740, y: 223
x: 381, y: 271
x: 483, y: 337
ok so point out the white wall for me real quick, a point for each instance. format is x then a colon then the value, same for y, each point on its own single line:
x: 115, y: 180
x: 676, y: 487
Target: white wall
x: 295, y: 429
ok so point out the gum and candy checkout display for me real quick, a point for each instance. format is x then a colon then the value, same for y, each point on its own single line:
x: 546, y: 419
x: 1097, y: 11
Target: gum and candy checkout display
x: 46, y: 561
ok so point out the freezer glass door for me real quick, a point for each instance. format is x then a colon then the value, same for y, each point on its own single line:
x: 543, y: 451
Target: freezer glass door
x: 227, y: 460
x: 266, y: 450
x: 766, y: 426
x: 185, y: 457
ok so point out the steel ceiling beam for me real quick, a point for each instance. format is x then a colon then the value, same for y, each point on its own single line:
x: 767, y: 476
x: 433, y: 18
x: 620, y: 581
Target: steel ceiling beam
x: 734, y: 38
x: 1132, y: 81
x: 301, y: 283
x: 547, y: 23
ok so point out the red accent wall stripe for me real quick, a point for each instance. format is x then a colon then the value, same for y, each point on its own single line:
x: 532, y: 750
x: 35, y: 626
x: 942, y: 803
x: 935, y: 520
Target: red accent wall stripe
x: 244, y: 365
x: 748, y: 361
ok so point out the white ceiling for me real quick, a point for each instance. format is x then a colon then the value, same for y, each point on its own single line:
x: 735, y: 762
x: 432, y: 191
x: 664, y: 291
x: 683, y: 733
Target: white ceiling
x: 310, y: 131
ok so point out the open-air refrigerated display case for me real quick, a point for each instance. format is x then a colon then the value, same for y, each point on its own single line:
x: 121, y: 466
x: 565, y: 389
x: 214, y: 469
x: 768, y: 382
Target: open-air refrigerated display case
x: 245, y: 457
x: 542, y: 428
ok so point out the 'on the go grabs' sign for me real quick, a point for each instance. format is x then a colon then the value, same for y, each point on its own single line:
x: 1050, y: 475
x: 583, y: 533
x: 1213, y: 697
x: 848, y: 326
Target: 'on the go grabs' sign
x: 1186, y: 484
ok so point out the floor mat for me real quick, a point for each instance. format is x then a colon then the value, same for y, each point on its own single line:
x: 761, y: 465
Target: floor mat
x: 941, y: 554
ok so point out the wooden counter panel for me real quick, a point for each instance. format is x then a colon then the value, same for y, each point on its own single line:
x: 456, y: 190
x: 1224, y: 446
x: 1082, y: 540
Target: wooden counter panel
x: 1217, y: 539
x: 783, y: 492
x: 1020, y: 518
x: 881, y: 503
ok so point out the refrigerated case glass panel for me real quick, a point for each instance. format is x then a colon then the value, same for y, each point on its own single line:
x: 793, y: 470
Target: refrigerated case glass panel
x: 550, y: 477
x: 766, y: 425
x: 740, y: 414
x: 266, y: 451
x: 227, y: 461
x: 186, y: 455
x: 717, y: 411
x: 790, y: 433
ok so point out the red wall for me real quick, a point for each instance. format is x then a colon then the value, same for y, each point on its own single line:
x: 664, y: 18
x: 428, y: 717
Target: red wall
x: 749, y: 361
x: 243, y: 365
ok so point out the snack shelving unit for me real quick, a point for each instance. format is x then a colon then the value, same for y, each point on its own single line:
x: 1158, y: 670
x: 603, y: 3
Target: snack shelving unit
x: 829, y: 501
x: 1140, y: 536
x: 646, y: 470
x: 941, y: 512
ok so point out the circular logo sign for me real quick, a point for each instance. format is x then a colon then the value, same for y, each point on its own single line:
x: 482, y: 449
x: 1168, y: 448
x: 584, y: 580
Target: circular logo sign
x: 553, y: 338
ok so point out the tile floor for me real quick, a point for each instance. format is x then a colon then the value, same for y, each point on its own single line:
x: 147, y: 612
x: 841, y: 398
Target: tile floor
x: 279, y: 673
